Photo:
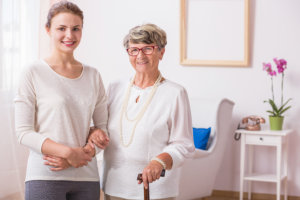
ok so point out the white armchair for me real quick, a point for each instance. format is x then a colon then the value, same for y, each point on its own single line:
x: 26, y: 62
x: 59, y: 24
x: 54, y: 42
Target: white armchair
x: 199, y: 173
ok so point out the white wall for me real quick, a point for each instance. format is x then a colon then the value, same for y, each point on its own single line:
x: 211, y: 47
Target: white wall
x: 274, y: 31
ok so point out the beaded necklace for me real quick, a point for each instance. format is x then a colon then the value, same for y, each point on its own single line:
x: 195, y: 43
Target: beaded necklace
x: 139, y: 116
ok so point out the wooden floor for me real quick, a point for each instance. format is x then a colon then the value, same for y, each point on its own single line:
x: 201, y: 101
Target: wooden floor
x: 230, y: 195
x: 218, y: 198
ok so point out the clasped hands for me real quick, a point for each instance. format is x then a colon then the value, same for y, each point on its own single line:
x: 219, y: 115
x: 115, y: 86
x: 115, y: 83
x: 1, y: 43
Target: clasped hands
x: 79, y: 156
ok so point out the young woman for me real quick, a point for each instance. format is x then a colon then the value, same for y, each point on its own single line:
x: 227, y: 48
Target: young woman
x: 57, y: 100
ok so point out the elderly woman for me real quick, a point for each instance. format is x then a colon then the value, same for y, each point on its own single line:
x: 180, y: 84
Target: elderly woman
x: 149, y: 124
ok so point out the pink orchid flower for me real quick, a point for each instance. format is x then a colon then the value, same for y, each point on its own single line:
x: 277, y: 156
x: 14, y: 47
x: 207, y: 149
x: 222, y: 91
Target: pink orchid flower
x: 268, y: 68
x: 281, y: 65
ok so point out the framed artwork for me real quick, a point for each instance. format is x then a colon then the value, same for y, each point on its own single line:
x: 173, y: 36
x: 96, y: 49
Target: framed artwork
x: 214, y: 32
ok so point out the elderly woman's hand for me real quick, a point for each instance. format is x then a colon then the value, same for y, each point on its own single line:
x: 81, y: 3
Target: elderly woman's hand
x: 99, y: 138
x: 89, y: 148
x: 151, y: 173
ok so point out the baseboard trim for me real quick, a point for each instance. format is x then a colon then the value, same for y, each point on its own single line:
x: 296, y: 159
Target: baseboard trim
x: 254, y: 196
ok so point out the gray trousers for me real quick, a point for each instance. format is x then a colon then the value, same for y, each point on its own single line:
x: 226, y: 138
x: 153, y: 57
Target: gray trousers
x: 62, y: 190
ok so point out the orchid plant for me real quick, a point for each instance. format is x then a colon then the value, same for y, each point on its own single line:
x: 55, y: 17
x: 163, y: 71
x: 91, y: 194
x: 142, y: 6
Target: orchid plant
x: 281, y: 67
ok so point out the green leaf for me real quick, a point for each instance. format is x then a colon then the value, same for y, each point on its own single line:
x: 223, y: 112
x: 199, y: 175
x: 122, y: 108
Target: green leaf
x: 274, y: 107
x: 275, y: 111
x: 285, y: 110
x: 271, y: 112
x: 284, y: 104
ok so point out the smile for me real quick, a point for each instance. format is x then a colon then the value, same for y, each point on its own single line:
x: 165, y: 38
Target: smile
x: 142, y: 63
x: 68, y: 43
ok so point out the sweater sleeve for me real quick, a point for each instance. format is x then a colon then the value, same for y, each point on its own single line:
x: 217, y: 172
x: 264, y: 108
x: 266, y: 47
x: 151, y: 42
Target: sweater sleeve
x: 25, y: 108
x: 100, y: 114
x: 180, y: 144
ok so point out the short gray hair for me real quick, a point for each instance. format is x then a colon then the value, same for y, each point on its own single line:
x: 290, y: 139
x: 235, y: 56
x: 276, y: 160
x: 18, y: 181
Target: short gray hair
x: 146, y: 33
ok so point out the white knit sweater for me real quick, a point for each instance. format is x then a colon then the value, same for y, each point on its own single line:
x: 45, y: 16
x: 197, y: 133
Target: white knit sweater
x: 48, y: 105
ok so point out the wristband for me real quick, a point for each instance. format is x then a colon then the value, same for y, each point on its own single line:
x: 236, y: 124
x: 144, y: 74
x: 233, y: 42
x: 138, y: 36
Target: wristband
x: 160, y: 162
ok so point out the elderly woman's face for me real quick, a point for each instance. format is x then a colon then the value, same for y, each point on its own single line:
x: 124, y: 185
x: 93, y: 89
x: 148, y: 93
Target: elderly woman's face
x: 146, y: 63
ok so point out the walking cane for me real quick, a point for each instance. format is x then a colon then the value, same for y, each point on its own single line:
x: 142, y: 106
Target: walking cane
x: 147, y: 191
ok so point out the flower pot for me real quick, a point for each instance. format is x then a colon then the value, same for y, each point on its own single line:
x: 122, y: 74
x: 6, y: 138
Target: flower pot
x: 276, y: 123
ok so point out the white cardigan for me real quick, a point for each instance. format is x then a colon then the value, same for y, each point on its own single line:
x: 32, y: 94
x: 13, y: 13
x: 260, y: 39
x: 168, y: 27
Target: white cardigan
x: 48, y: 105
x: 165, y: 127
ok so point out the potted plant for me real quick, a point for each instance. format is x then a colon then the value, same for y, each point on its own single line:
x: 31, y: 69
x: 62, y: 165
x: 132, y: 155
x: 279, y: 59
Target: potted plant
x: 275, y: 114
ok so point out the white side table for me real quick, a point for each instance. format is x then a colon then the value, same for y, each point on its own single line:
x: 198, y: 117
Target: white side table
x: 264, y: 138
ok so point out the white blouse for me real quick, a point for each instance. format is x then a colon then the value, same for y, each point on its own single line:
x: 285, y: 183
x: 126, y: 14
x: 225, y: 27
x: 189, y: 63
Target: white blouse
x: 165, y: 127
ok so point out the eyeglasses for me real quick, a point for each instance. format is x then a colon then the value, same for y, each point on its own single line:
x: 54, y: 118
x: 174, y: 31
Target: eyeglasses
x: 147, y: 50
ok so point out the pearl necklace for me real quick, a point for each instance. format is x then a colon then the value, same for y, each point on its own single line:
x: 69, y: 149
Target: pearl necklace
x: 140, y: 114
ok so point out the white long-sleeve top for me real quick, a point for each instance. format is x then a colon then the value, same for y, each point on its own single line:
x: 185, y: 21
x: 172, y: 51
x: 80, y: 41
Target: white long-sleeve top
x: 165, y: 127
x: 48, y: 105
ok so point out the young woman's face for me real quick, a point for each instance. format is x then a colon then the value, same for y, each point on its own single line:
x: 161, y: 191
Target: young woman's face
x: 65, y: 32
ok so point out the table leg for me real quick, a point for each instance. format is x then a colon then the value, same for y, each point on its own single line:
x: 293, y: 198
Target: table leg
x: 250, y: 167
x: 278, y: 168
x: 285, y: 168
x: 285, y: 188
x: 242, y: 165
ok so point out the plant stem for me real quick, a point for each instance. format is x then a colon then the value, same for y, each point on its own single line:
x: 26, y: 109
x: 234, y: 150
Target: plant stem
x: 282, y: 88
x: 272, y: 89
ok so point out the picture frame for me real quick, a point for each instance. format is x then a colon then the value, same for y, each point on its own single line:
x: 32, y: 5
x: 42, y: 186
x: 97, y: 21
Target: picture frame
x: 214, y: 33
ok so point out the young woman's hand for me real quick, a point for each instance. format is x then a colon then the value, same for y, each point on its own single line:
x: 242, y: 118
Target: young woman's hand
x: 99, y: 138
x: 56, y: 163
x: 78, y: 157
